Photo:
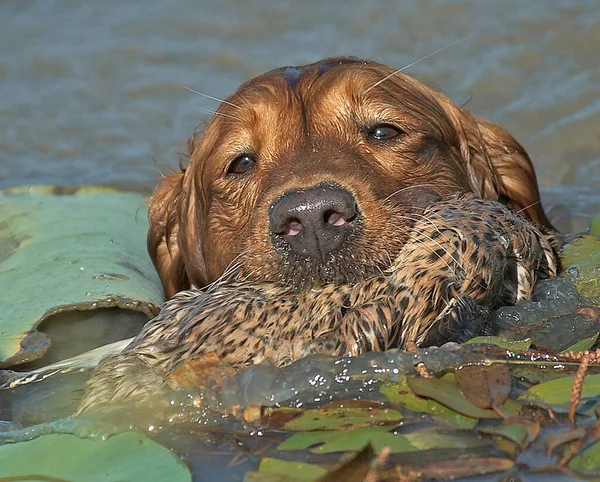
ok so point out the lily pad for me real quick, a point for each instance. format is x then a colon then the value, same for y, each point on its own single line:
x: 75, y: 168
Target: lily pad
x: 514, y: 432
x: 343, y: 418
x: 582, y: 258
x: 398, y: 392
x: 282, y: 470
x: 127, y: 456
x: 587, y: 461
x: 582, y: 345
x: 484, y: 386
x: 448, y: 394
x: 501, y: 342
x: 558, y: 391
x: 323, y: 442
x: 65, y: 250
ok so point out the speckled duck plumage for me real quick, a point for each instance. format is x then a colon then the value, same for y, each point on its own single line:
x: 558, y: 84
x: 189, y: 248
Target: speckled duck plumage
x: 465, y: 256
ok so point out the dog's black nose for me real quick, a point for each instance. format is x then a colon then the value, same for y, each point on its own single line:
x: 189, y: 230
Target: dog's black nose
x: 313, y: 221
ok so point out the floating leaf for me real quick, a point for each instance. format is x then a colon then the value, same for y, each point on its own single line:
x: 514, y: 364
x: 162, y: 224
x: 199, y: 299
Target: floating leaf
x: 89, y: 251
x: 400, y: 393
x: 558, y: 391
x: 272, y: 470
x: 588, y: 460
x: 484, y: 386
x: 453, y: 469
x: 583, y: 254
x: 336, y: 417
x: 448, y: 394
x: 514, y: 432
x: 433, y: 438
x: 322, y: 442
x: 354, y: 470
x: 557, y: 439
x: 582, y: 345
x: 501, y: 342
x: 128, y: 456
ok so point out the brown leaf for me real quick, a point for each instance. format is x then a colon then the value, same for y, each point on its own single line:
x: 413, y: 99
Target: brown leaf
x: 354, y: 470
x: 484, y: 386
x: 275, y: 418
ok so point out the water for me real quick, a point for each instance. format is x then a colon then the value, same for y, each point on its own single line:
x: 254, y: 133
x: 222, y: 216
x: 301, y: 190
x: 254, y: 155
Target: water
x: 90, y: 91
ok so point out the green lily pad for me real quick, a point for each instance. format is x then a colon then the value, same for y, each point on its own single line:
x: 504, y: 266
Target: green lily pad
x: 282, y: 470
x: 582, y: 345
x: 514, y: 432
x: 588, y: 460
x: 501, y: 342
x: 128, y: 456
x: 583, y: 254
x: 558, y: 391
x: 398, y: 392
x: 323, y: 442
x: 343, y: 418
x: 65, y: 250
x: 448, y: 394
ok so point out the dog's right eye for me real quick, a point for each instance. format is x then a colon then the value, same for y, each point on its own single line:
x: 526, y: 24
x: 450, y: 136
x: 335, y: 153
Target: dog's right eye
x: 384, y: 132
x: 242, y: 164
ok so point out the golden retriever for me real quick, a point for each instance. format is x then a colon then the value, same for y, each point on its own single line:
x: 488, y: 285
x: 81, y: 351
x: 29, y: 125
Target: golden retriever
x: 314, y: 174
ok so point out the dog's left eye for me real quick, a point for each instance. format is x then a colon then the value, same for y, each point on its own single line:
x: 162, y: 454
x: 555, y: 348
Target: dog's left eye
x: 382, y: 132
x: 242, y: 164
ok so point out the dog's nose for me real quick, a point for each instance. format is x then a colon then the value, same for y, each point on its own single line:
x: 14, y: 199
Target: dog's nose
x: 313, y: 221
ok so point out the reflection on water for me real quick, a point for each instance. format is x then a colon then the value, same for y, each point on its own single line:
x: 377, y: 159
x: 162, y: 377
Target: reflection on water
x: 90, y: 92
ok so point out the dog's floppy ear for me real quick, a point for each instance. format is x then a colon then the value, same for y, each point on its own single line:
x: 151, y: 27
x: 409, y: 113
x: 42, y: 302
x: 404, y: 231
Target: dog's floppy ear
x: 163, y: 233
x: 498, y: 167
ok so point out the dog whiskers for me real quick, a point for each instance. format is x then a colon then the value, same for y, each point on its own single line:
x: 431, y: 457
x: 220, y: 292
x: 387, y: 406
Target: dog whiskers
x: 209, y: 96
x: 220, y: 114
x: 431, y: 54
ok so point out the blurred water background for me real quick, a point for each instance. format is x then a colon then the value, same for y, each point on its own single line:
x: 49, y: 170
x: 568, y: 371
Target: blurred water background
x: 90, y: 91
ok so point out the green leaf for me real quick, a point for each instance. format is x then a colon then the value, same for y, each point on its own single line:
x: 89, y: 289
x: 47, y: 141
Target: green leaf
x: 81, y: 250
x: 323, y: 442
x: 514, y: 432
x: 343, y: 418
x: 430, y: 439
x: 448, y: 394
x: 124, y: 457
x: 582, y: 345
x: 400, y: 393
x: 588, y: 460
x: 501, y: 342
x: 271, y: 470
x: 558, y: 391
x: 583, y: 254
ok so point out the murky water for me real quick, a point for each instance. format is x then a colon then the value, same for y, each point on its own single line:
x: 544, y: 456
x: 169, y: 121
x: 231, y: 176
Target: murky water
x: 90, y: 91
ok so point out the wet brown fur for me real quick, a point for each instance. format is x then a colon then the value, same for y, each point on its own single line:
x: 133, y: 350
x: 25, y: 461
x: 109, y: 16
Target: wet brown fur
x: 308, y: 125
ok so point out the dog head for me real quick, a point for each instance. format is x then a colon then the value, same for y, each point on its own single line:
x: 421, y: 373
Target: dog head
x: 315, y: 174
